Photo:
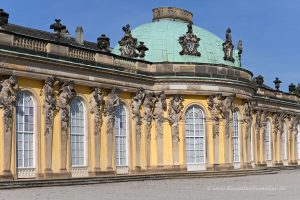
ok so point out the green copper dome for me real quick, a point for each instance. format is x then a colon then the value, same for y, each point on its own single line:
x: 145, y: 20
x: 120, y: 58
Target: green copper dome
x: 161, y: 38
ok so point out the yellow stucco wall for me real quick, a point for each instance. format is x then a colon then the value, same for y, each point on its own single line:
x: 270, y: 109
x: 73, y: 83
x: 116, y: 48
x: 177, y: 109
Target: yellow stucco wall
x: 83, y: 92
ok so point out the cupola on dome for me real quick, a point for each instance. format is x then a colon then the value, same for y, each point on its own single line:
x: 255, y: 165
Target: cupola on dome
x: 171, y: 37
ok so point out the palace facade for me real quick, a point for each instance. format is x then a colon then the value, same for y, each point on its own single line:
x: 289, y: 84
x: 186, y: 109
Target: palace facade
x: 170, y: 96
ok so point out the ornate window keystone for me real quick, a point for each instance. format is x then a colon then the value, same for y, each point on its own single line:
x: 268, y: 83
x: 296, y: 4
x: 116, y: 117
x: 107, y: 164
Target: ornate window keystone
x: 189, y: 43
x: 129, y: 45
x: 228, y: 47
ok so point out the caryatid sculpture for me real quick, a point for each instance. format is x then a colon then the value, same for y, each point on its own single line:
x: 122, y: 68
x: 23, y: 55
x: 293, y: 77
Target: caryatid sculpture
x: 174, y: 116
x: 149, y: 102
x: 136, y: 104
x: 214, y: 102
x: 97, y: 104
x: 65, y: 96
x: 158, y: 114
x: 111, y: 103
x: 49, y: 106
x: 8, y: 94
x: 97, y: 107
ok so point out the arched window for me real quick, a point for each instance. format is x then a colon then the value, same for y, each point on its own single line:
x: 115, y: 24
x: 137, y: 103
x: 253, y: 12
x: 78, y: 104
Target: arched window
x: 78, y: 157
x: 25, y: 131
x: 298, y: 142
x: 195, y: 135
x: 268, y: 140
x: 283, y: 144
x: 121, y: 130
x: 235, y: 137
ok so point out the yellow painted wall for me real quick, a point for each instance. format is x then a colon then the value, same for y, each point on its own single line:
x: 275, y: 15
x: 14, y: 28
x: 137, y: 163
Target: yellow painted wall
x: 35, y: 87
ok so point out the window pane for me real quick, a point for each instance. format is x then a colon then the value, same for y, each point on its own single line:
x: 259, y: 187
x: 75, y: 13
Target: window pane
x: 77, y: 133
x: 121, y: 129
x: 195, y: 136
x: 235, y: 137
x: 25, y: 130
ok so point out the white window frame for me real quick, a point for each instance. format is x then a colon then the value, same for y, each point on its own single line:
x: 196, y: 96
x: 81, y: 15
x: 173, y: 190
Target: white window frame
x: 235, y: 137
x: 192, y: 109
x: 268, y: 141
x: 23, y: 132
x: 251, y: 143
x: 283, y: 143
x: 77, y: 134
x: 118, y: 135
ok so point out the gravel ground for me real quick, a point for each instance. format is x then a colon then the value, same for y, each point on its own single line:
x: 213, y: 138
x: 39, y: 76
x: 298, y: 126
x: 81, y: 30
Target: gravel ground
x: 285, y: 186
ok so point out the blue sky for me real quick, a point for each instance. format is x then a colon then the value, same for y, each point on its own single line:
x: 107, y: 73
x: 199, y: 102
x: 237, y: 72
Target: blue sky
x: 270, y: 29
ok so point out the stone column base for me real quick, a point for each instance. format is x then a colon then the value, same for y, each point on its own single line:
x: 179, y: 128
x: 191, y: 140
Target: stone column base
x: 96, y: 172
x: 48, y: 173
x: 223, y: 167
x: 261, y: 165
x: 165, y: 168
x: 278, y: 163
x: 61, y: 175
x: 247, y: 165
x: 109, y: 171
x: 293, y: 163
x: 7, y: 175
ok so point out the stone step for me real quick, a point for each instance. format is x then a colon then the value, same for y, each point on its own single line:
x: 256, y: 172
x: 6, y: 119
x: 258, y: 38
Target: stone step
x: 126, y: 178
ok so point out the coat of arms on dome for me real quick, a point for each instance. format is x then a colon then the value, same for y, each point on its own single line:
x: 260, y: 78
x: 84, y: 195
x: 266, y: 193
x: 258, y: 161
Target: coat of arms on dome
x: 129, y: 45
x: 189, y: 43
x: 228, y: 47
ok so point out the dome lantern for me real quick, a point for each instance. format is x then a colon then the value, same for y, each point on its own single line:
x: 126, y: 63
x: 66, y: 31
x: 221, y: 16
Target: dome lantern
x: 172, y: 13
